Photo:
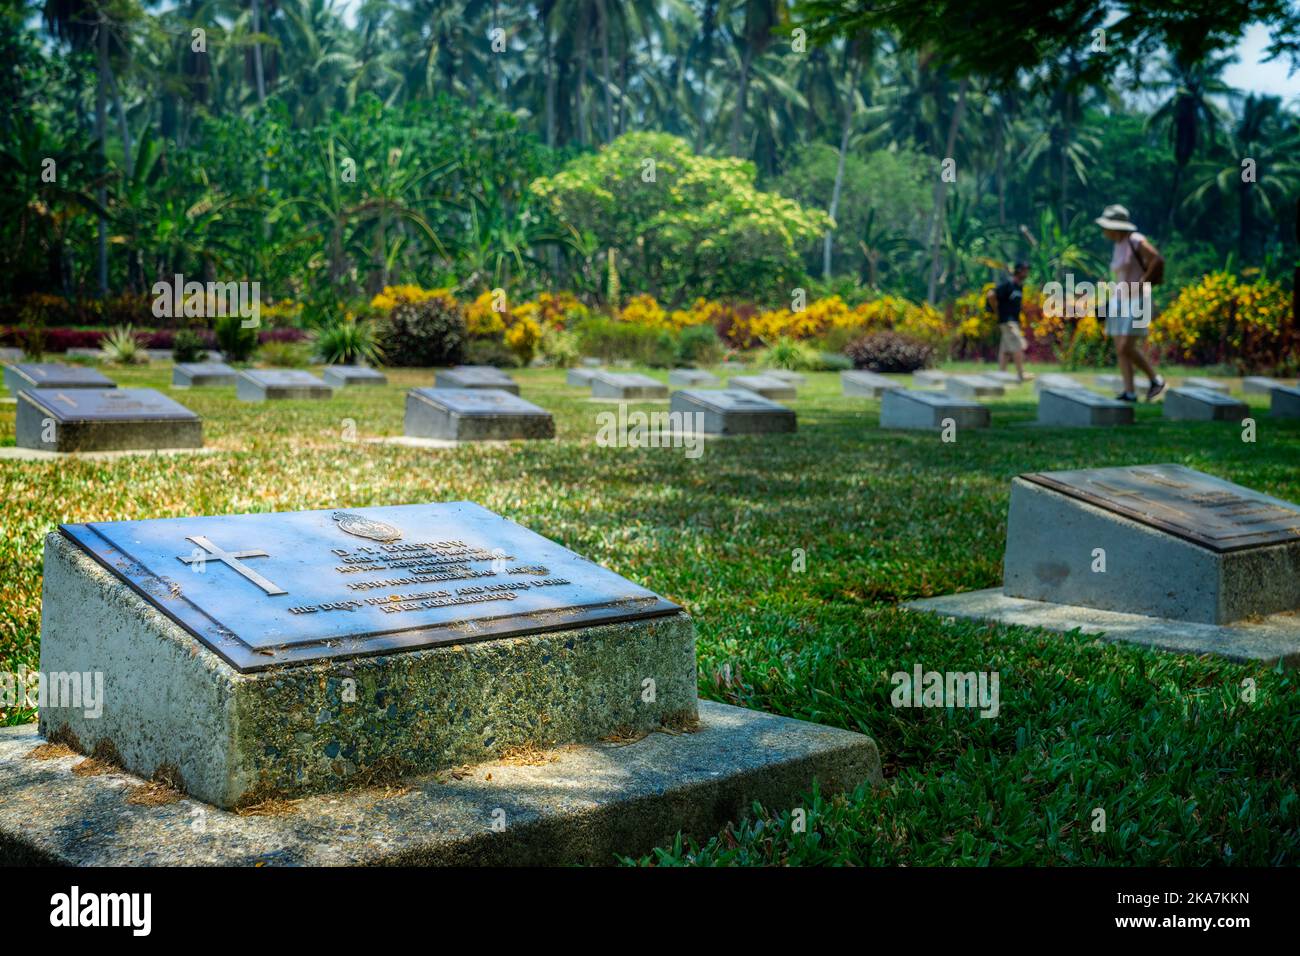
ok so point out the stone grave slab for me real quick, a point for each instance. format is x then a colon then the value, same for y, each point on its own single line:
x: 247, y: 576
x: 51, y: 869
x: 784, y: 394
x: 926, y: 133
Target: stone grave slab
x: 734, y: 411
x: 1285, y: 402
x: 973, y: 386
x: 103, y: 419
x: 262, y: 385
x: 1010, y: 379
x: 1159, y: 555
x: 929, y: 378
x: 692, y: 378
x: 1055, y: 380
x: 579, y: 377
x: 1260, y: 384
x: 462, y: 634
x: 794, y: 378
x: 900, y: 408
x: 53, y: 375
x: 1075, y: 407
x: 1178, y: 543
x: 1213, y: 384
x: 626, y: 386
x: 475, y: 376
x: 1116, y: 382
x: 203, y: 375
x: 767, y: 386
x: 860, y: 383
x: 474, y: 414
x: 1203, y: 405
x: 346, y: 376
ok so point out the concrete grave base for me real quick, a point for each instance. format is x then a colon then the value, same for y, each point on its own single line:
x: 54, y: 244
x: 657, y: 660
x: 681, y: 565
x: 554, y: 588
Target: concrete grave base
x: 1267, y: 639
x: 1187, y: 404
x: 921, y: 409
x: 1080, y: 408
x: 1285, y: 402
x: 582, y: 803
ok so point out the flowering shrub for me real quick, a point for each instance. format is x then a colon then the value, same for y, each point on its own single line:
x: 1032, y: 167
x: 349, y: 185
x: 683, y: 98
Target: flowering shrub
x: 1222, y: 319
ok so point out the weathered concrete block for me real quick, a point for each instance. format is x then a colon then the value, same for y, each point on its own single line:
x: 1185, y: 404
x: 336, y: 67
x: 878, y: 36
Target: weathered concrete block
x: 1009, y: 379
x: 1203, y: 405
x: 475, y: 376
x: 111, y: 419
x: 53, y: 375
x: 361, y: 696
x: 1115, y: 383
x: 580, y: 377
x: 1174, y: 543
x: 1074, y: 407
x: 863, y: 384
x: 900, y: 408
x: 474, y: 414
x: 203, y: 375
x: 264, y: 385
x: 973, y: 386
x: 627, y: 386
x: 1260, y: 384
x: 1055, y: 381
x: 929, y: 378
x: 1213, y: 384
x: 1285, y: 402
x: 785, y: 375
x: 344, y: 376
x: 734, y: 411
x: 692, y: 378
x: 768, y: 386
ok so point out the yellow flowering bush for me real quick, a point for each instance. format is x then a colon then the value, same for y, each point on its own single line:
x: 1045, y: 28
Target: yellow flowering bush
x: 394, y: 294
x: 522, y: 336
x: 1223, y: 319
x: 643, y: 310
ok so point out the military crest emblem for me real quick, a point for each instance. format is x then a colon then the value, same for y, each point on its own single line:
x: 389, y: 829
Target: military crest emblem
x: 364, y: 527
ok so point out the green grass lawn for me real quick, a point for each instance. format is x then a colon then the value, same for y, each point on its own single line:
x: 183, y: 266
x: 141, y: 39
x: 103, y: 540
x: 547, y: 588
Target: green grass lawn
x: 1186, y: 770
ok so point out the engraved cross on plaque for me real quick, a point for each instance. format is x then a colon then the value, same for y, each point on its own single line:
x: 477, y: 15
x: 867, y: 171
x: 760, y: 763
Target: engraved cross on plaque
x: 231, y: 560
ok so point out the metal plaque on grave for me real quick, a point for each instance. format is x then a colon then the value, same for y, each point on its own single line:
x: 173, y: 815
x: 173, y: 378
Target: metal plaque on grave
x: 1189, y: 504
x: 478, y: 401
x: 268, y: 589
x: 107, y: 404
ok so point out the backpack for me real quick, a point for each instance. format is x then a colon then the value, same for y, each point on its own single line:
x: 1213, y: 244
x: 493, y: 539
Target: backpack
x: 1158, y: 274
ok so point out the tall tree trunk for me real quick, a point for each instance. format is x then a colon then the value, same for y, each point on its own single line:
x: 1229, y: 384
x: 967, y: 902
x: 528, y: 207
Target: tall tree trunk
x: 548, y: 60
x: 257, y: 54
x: 1001, y: 175
x: 602, y: 16
x: 708, y: 27
x: 101, y: 130
x: 941, y: 190
x: 846, y: 132
x: 742, y: 96
x: 1173, y: 197
x: 580, y: 82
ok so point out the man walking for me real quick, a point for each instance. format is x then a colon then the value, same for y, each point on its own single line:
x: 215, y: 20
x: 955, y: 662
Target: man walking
x: 1005, y: 300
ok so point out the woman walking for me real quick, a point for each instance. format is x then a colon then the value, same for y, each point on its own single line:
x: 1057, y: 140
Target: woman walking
x: 1135, y: 266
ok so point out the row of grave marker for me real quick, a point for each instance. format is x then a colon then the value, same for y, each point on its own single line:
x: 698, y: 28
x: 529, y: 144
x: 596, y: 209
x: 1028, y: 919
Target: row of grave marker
x: 475, y: 403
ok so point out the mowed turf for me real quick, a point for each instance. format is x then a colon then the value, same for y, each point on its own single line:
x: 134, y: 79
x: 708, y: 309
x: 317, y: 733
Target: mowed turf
x: 1192, y: 761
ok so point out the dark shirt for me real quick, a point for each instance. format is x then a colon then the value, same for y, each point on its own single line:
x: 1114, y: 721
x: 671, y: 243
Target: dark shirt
x: 1008, y: 293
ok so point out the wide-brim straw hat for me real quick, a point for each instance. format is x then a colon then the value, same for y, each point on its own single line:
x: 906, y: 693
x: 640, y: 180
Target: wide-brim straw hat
x: 1115, y: 217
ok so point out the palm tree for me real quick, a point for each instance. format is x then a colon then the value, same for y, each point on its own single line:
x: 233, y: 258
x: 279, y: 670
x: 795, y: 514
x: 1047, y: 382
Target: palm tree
x: 1193, y: 80
x: 1264, y: 172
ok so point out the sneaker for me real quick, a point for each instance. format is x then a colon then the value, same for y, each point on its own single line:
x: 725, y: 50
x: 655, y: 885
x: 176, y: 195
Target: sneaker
x: 1126, y: 397
x: 1157, y: 387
